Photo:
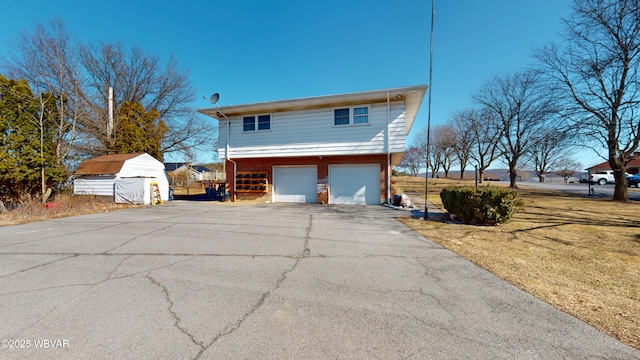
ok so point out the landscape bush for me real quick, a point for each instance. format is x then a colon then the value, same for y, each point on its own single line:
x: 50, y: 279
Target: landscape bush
x: 481, y: 206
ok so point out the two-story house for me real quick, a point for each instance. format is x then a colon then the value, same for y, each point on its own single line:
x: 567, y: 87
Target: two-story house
x: 335, y: 149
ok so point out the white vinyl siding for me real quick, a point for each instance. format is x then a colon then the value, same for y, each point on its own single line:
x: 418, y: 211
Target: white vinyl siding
x: 313, y: 133
x: 295, y: 184
x: 354, y: 184
x: 94, y: 185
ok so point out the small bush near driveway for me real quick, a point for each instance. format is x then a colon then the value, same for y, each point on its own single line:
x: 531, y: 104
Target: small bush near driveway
x: 485, y: 205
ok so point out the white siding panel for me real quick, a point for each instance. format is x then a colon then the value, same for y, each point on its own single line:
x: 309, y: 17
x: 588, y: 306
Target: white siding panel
x: 222, y: 139
x: 397, y: 138
x: 312, y: 133
x: 94, y: 185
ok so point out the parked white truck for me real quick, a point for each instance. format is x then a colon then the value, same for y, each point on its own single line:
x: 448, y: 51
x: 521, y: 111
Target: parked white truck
x: 603, y: 177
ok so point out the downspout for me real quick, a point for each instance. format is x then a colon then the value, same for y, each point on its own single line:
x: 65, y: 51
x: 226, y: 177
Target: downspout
x: 235, y: 165
x: 388, y: 151
x: 226, y: 153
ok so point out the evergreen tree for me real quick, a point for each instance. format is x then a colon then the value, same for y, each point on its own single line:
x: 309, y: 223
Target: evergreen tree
x: 137, y: 130
x: 27, y: 128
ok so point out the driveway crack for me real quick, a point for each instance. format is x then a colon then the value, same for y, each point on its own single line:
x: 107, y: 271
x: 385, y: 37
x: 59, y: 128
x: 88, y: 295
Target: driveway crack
x: 39, y: 265
x: 305, y: 250
x: 155, y: 230
x: 175, y: 316
x: 230, y: 329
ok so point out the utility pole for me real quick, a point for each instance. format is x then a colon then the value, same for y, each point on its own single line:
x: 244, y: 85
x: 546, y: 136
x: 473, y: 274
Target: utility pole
x: 426, y: 175
x: 110, y: 120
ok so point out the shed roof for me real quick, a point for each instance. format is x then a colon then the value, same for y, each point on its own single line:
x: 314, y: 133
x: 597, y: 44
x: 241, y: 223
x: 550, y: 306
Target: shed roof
x: 105, y: 164
x: 412, y: 96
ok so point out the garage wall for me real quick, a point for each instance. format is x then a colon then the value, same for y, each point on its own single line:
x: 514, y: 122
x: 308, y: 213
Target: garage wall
x: 322, y: 165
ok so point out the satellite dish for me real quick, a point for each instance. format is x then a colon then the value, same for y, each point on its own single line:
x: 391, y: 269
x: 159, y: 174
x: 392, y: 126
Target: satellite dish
x: 214, y: 98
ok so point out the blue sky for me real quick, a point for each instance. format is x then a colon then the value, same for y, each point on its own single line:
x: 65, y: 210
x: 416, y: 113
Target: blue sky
x: 254, y: 51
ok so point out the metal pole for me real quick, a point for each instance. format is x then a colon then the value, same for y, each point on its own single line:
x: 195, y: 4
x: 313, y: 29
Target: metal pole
x: 110, y: 121
x: 426, y: 175
x: 476, y: 172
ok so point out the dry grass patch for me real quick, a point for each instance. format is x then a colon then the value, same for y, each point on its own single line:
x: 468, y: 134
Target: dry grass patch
x: 580, y: 255
x: 62, y: 206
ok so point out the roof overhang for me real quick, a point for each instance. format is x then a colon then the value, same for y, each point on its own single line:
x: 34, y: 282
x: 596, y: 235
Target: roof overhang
x: 411, y: 95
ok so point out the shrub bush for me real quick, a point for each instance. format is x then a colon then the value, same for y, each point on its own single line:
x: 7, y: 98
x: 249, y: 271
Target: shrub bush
x: 483, y: 206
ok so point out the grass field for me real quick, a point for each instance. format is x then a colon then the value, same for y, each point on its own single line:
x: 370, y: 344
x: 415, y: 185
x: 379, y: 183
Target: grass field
x: 581, y: 255
x: 62, y: 206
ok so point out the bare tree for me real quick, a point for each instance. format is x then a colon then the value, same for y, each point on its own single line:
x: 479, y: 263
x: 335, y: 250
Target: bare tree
x: 46, y: 59
x: 443, y: 138
x: 413, y: 160
x: 464, y: 137
x: 139, y: 77
x: 523, y: 108
x: 430, y: 163
x: 550, y: 149
x: 79, y: 76
x: 486, y: 132
x: 596, y: 70
x: 567, y: 168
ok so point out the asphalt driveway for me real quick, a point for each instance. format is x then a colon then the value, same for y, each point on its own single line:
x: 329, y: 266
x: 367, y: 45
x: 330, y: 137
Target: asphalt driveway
x: 195, y: 280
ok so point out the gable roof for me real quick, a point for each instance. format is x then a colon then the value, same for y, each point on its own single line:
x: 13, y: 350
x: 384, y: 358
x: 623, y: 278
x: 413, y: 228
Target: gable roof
x: 412, y: 96
x: 173, y: 166
x: 633, y: 163
x: 176, y: 166
x: 105, y: 164
x: 200, y: 168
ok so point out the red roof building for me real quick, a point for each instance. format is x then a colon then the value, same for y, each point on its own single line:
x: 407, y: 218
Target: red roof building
x: 633, y: 167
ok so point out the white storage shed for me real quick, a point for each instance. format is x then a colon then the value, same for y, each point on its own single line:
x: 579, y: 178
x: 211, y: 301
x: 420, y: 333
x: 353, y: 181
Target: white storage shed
x: 125, y: 177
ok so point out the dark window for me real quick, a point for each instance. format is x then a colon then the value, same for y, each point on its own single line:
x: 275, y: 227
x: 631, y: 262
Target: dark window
x: 264, y: 122
x: 249, y: 123
x: 341, y: 116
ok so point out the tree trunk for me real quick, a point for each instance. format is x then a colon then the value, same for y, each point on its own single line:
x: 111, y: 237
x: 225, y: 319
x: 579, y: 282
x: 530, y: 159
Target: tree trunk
x: 540, y: 178
x: 481, y: 175
x: 513, y: 176
x: 620, y: 192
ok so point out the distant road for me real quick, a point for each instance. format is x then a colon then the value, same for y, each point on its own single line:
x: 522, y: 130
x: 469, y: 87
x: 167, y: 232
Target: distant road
x: 582, y: 188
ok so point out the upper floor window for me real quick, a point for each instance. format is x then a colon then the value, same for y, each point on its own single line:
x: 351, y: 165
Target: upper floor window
x: 351, y: 115
x: 341, y: 116
x: 253, y: 123
x: 361, y: 115
x: 264, y: 122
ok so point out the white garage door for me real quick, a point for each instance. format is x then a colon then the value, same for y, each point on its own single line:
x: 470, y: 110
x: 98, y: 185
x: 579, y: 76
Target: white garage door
x: 354, y: 184
x: 295, y: 184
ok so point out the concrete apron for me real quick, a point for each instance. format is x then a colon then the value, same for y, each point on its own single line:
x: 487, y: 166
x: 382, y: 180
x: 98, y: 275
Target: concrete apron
x: 195, y: 280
